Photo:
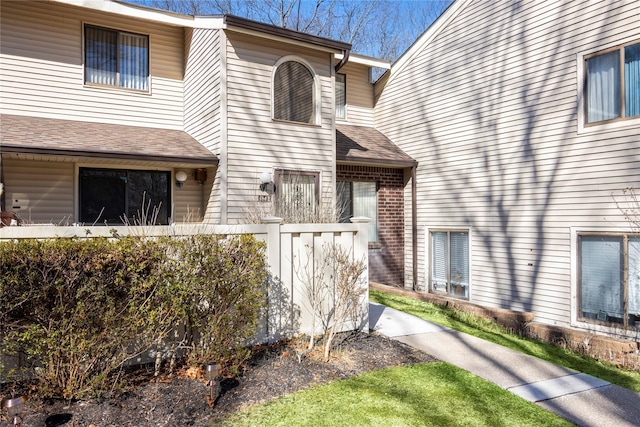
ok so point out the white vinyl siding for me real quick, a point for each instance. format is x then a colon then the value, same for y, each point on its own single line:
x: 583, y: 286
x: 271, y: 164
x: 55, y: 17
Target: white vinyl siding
x: 190, y: 201
x: 255, y: 142
x: 359, y: 96
x: 39, y: 192
x: 43, y: 73
x: 203, y: 112
x: 489, y: 111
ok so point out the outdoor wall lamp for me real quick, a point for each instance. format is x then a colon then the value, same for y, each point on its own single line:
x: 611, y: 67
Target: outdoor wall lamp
x: 211, y: 371
x: 181, y: 177
x: 14, y: 408
x: 267, y: 184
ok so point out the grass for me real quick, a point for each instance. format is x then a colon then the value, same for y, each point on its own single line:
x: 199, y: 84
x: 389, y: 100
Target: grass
x: 429, y: 394
x: 490, y: 331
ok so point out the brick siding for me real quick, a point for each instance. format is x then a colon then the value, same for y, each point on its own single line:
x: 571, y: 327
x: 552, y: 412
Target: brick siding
x: 386, y: 256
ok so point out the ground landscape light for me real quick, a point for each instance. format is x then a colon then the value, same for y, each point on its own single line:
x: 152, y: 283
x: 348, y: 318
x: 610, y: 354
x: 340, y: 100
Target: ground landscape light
x: 14, y: 408
x: 211, y: 371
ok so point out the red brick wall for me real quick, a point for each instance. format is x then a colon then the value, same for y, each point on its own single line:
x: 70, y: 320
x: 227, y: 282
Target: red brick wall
x: 386, y: 256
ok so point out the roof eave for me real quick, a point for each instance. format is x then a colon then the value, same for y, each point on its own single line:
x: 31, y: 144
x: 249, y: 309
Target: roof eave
x: 246, y: 25
x: 208, y: 161
x: 362, y: 161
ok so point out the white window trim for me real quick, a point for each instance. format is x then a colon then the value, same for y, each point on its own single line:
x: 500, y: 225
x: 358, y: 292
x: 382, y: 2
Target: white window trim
x: 317, y: 101
x: 574, y: 274
x: 346, y: 109
x: 427, y: 257
x: 580, y: 67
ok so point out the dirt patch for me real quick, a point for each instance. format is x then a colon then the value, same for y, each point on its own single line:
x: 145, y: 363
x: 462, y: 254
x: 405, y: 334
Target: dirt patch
x: 179, y: 400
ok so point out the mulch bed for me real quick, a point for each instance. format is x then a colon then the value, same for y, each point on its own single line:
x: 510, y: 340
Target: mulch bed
x: 180, y: 399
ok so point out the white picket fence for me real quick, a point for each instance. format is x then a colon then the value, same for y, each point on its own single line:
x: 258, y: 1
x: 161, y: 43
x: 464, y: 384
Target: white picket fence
x: 293, y: 252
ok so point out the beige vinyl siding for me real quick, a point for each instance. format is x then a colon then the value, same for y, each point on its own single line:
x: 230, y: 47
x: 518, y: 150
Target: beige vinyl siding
x: 258, y: 144
x: 188, y: 201
x: 203, y: 89
x: 489, y: 110
x: 359, y: 95
x: 45, y: 191
x: 41, y: 65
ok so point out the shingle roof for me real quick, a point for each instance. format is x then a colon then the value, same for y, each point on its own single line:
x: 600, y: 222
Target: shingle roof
x: 360, y: 144
x: 37, y: 135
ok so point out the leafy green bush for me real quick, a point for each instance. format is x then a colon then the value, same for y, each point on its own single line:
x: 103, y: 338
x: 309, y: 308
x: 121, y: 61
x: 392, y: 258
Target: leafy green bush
x: 80, y: 309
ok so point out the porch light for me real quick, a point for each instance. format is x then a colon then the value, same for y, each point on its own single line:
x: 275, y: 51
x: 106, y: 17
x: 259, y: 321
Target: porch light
x: 181, y: 177
x: 14, y: 408
x: 267, y: 184
x: 211, y: 372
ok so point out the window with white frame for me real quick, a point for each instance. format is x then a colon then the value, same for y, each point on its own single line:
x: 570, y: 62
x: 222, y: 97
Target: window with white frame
x: 116, y: 58
x: 341, y: 96
x: 116, y: 196
x: 297, y: 195
x: 359, y: 199
x: 449, y: 263
x: 612, y: 87
x: 294, y: 93
x: 609, y: 279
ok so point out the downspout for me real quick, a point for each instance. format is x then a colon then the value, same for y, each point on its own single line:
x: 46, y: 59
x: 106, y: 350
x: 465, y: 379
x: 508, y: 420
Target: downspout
x: 414, y: 227
x: 343, y: 61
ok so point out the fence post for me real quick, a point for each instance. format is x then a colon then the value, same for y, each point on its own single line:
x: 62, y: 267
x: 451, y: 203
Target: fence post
x: 273, y: 260
x: 361, y: 251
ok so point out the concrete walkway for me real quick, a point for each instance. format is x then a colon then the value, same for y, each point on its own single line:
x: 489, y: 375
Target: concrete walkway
x: 577, y: 397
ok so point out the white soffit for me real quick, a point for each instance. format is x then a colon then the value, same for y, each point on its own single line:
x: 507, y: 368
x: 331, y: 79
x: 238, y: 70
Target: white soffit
x: 133, y: 11
x: 369, y: 61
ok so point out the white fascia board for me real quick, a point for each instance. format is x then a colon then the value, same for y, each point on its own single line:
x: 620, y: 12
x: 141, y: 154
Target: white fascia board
x: 279, y: 39
x: 426, y: 37
x: 369, y: 61
x: 133, y: 11
x: 209, y: 22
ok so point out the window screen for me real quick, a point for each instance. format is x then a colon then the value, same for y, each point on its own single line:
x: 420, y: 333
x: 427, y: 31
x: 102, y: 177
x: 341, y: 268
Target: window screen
x: 109, y: 196
x: 116, y: 58
x: 450, y: 262
x: 293, y: 89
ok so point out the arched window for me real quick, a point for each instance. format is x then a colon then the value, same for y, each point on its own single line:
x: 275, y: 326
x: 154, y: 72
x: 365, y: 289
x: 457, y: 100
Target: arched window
x: 294, y: 90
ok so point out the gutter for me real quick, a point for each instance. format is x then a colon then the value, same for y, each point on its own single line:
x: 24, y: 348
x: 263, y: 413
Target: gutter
x: 344, y: 60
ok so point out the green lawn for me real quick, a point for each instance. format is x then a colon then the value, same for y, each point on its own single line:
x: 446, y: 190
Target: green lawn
x: 485, y: 329
x: 429, y: 394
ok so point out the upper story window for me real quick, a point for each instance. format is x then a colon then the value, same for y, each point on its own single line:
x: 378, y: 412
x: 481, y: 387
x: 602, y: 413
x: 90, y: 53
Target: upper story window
x: 116, y: 58
x: 613, y: 84
x: 341, y: 96
x: 294, y: 92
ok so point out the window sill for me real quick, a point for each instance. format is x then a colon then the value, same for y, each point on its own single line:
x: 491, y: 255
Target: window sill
x: 609, y: 126
x: 313, y: 125
x: 116, y: 88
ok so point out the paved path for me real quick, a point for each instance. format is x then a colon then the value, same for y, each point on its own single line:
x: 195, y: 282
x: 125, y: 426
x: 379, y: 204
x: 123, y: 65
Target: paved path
x: 577, y: 397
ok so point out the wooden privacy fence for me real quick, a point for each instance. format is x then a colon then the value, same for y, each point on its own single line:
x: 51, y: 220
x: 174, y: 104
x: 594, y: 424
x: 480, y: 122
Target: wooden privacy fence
x: 294, y: 254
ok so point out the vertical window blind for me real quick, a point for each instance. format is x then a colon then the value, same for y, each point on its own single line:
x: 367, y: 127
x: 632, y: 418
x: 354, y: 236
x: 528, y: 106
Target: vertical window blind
x: 116, y: 58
